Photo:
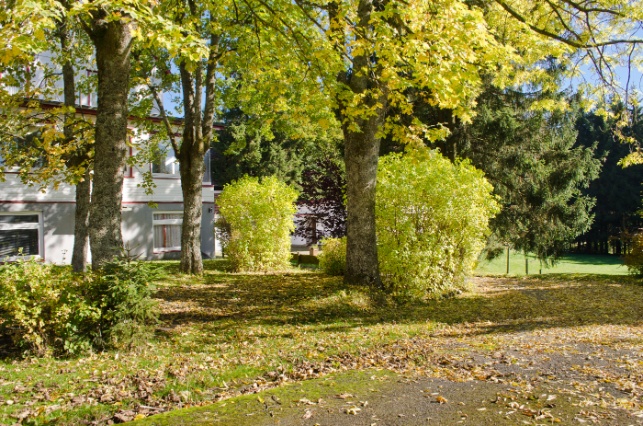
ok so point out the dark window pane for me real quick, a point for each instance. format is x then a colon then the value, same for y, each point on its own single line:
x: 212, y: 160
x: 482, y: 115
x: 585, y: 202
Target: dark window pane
x: 157, y: 168
x: 12, y: 240
x: 21, y: 218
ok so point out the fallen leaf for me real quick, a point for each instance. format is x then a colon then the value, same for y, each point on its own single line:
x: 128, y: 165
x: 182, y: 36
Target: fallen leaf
x: 353, y: 410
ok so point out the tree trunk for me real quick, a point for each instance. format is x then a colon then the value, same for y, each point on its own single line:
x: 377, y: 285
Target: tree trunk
x: 362, y: 147
x: 81, y: 224
x: 361, y: 157
x: 191, y: 160
x: 112, y: 41
x: 191, y: 184
x: 83, y: 188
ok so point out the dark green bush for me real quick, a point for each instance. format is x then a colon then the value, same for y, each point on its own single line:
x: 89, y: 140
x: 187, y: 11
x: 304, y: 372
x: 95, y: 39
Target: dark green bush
x: 123, y: 293
x: 48, y: 310
x: 634, y: 259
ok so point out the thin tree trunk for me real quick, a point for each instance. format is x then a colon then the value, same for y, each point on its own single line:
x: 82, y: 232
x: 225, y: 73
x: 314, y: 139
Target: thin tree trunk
x: 81, y: 224
x: 83, y: 188
x: 197, y: 134
x: 112, y: 41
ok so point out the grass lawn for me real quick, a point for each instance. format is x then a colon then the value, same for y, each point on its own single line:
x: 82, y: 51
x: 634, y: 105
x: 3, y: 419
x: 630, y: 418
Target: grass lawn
x: 226, y: 334
x: 568, y: 264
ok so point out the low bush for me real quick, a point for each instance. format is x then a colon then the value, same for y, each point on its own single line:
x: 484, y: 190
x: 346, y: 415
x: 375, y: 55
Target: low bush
x: 260, y: 215
x: 432, y: 219
x: 48, y: 310
x: 332, y: 259
x: 123, y: 293
x: 37, y: 305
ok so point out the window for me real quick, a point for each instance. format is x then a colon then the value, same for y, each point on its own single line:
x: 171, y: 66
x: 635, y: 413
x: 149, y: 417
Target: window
x: 19, y: 232
x: 165, y: 163
x: 25, y: 151
x: 167, y: 231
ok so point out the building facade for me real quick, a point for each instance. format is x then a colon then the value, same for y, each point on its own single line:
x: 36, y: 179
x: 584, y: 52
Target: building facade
x: 40, y: 223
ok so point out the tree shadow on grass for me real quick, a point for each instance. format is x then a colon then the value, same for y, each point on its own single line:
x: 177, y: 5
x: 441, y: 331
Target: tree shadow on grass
x: 227, y: 303
x: 590, y: 259
x: 7, y: 348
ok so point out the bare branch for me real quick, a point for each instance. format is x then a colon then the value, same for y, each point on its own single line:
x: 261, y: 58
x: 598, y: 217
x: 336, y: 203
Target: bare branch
x: 564, y: 40
x: 588, y: 10
x: 210, y: 87
x: 164, y: 117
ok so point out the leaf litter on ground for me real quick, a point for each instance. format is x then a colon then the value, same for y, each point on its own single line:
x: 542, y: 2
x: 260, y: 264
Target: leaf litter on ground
x: 230, y: 334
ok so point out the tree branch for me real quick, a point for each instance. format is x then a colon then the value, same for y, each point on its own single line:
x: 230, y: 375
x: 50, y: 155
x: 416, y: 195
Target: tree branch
x: 164, y: 117
x: 557, y: 37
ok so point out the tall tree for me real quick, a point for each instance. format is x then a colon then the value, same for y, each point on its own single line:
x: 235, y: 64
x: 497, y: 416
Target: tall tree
x: 383, y: 49
x: 378, y: 51
x: 112, y: 34
x: 81, y: 158
x: 244, y: 66
x: 537, y: 170
x: 48, y: 156
x: 198, y: 78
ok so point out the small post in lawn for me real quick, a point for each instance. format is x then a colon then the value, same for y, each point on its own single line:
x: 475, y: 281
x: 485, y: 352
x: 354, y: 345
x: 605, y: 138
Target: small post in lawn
x: 507, y: 259
x: 526, y: 265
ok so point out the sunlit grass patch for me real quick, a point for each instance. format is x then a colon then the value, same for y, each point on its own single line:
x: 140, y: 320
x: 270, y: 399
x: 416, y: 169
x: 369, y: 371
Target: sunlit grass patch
x: 519, y: 264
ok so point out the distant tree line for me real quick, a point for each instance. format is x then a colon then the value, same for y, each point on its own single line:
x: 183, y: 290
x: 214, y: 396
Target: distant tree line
x: 617, y: 212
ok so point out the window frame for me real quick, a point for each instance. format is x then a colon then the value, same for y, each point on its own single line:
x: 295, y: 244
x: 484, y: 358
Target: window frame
x: 39, y: 226
x: 166, y: 222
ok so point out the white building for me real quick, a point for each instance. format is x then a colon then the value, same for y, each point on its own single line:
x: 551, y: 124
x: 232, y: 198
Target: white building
x: 41, y: 223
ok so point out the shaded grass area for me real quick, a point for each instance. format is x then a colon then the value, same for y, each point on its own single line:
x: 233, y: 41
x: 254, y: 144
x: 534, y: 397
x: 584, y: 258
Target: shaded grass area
x: 226, y: 333
x: 519, y: 264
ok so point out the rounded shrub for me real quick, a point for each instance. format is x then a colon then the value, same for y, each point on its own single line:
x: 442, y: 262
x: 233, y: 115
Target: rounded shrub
x: 432, y: 219
x: 261, y: 218
x: 332, y: 259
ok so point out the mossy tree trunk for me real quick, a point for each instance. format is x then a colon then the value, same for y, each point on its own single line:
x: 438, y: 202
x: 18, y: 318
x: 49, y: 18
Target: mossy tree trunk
x: 362, y: 146
x: 112, y: 40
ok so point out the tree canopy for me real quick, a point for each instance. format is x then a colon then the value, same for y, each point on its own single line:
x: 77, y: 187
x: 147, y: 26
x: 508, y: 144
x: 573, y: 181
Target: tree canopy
x: 357, y: 66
